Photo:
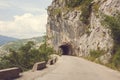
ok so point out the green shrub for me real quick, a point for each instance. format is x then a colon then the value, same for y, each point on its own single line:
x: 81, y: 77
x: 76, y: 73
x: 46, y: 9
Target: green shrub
x: 96, y: 7
x: 56, y: 12
x: 46, y: 51
x: 84, y: 5
x: 86, y: 9
x: 116, y: 59
x: 26, y: 56
x: 74, y: 3
x: 96, y: 54
x: 114, y: 25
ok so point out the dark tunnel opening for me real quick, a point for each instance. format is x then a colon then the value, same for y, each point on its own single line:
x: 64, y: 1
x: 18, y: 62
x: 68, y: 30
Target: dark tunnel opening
x: 65, y: 49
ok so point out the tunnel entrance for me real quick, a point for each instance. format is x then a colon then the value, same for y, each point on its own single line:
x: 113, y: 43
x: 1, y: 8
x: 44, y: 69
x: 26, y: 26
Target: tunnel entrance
x: 65, y: 49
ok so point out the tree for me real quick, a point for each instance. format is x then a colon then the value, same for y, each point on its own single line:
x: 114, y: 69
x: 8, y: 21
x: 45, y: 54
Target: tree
x: 26, y: 56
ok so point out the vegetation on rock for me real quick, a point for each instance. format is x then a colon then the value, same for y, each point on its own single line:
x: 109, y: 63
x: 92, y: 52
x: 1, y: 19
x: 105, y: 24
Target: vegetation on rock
x: 114, y: 25
x: 86, y: 9
x: 74, y: 3
x: 95, y: 55
x: 56, y: 12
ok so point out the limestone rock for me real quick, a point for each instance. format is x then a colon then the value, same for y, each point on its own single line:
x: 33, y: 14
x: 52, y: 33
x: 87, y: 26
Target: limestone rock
x: 64, y: 27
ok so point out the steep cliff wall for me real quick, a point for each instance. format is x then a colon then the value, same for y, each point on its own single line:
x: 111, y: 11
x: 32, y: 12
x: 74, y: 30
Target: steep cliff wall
x: 77, y: 26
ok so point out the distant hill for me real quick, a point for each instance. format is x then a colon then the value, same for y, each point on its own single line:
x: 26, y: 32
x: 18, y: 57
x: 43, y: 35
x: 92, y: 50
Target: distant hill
x: 5, y: 39
x: 15, y: 45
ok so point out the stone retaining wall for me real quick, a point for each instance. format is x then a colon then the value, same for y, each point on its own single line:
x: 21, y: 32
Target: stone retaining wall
x: 9, y: 73
x: 39, y: 66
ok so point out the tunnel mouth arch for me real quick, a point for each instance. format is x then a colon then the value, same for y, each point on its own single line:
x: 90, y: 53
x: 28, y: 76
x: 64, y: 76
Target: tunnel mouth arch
x: 66, y: 49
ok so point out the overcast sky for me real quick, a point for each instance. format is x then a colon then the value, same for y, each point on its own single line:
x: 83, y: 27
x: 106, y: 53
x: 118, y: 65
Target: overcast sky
x: 23, y: 18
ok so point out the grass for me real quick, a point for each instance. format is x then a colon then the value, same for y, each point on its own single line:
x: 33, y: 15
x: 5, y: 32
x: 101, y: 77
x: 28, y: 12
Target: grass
x: 95, y: 54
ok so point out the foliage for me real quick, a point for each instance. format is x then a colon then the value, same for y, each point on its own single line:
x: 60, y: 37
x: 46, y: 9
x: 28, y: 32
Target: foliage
x: 46, y: 51
x: 116, y: 59
x: 26, y: 56
x: 74, y: 3
x: 96, y: 7
x: 56, y: 12
x: 96, y: 54
x: 114, y: 25
x: 86, y: 11
x: 86, y: 7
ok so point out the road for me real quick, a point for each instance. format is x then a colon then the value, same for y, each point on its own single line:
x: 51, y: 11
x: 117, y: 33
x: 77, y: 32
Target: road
x: 74, y: 68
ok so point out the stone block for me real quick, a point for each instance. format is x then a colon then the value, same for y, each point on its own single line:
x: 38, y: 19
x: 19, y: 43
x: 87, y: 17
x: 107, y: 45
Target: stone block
x: 39, y: 66
x: 10, y: 73
x: 53, y: 60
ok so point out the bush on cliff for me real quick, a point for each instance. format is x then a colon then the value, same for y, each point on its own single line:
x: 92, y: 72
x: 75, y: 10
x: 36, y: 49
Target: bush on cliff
x: 74, y: 3
x: 116, y: 60
x: 86, y: 9
x: 114, y: 25
x: 84, y: 5
x: 94, y: 54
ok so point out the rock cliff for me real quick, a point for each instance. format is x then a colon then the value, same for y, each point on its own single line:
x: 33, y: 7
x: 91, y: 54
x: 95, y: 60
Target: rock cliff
x: 76, y: 26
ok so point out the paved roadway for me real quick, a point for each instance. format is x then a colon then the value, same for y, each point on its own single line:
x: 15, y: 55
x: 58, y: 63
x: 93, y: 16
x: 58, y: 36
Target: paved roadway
x: 74, y: 68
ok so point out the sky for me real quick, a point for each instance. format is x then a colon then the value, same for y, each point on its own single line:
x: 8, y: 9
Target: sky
x: 23, y: 18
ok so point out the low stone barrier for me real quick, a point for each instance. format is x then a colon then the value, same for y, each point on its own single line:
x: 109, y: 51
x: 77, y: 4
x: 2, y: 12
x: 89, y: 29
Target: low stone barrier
x: 39, y: 66
x: 10, y: 73
x: 53, y: 60
x: 56, y: 58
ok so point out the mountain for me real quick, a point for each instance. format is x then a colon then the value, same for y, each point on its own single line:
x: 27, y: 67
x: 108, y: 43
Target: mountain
x: 5, y: 39
x: 15, y: 45
x: 85, y: 27
x: 18, y: 43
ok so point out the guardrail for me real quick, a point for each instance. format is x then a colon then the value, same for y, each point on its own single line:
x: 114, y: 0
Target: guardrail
x: 39, y: 66
x: 10, y: 73
x: 53, y: 60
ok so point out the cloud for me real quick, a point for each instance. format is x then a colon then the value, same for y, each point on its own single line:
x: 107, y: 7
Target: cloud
x: 24, y: 26
x: 10, y: 8
x: 4, y: 4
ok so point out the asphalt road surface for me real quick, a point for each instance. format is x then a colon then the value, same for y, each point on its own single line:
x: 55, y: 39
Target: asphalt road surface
x: 74, y: 68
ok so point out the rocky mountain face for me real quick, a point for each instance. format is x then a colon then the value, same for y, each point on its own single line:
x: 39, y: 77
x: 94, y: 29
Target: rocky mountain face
x: 76, y: 26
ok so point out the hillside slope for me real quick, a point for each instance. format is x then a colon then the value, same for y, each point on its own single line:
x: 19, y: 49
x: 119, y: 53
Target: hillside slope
x: 15, y: 45
x: 5, y: 39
